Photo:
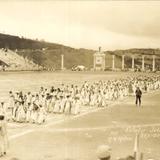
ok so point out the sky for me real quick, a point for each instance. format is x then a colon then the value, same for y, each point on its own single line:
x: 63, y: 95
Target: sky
x: 84, y: 24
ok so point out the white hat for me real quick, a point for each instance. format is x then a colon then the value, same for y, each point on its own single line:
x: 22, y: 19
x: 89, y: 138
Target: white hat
x: 103, y: 151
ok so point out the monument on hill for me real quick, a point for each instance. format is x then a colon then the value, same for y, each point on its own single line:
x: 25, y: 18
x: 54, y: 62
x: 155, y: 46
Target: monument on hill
x: 99, y: 60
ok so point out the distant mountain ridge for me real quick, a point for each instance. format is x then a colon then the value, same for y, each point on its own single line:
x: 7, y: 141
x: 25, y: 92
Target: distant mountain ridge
x: 49, y: 54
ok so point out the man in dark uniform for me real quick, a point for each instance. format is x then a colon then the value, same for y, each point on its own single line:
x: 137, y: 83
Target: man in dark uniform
x: 138, y: 96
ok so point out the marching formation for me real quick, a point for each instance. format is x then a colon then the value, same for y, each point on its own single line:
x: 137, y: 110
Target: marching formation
x: 69, y: 100
x: 34, y: 108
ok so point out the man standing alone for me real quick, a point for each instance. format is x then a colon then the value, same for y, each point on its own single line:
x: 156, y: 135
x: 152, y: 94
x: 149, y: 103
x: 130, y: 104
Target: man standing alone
x: 138, y: 96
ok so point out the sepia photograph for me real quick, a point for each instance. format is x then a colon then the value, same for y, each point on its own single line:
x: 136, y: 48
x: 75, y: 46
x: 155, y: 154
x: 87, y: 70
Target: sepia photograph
x: 79, y: 80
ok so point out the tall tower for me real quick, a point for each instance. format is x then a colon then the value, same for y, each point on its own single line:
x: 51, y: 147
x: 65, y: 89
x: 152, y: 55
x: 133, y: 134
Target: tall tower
x: 99, y: 60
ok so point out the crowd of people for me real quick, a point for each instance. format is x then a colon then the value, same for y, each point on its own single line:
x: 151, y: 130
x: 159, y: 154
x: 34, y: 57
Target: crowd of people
x: 34, y: 108
x: 68, y: 99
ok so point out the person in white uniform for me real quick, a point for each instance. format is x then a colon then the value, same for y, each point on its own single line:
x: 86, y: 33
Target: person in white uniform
x: 3, y: 136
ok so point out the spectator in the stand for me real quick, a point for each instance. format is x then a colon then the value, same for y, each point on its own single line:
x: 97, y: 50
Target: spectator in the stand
x: 3, y: 68
x: 6, y: 50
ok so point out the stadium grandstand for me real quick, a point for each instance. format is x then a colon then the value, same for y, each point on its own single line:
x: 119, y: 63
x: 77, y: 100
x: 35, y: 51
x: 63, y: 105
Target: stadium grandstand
x: 11, y: 61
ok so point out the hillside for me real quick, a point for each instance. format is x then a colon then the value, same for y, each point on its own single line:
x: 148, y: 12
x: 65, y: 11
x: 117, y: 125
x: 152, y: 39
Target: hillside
x: 49, y: 54
x: 51, y: 58
x: 137, y: 52
x: 45, y: 53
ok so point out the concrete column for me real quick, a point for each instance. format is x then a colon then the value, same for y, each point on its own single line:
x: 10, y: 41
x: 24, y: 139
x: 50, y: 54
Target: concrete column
x: 94, y: 62
x: 113, y: 65
x: 104, y: 64
x: 123, y: 62
x: 62, y: 62
x: 133, y: 62
x: 153, y: 63
x: 143, y: 63
x: 99, y: 49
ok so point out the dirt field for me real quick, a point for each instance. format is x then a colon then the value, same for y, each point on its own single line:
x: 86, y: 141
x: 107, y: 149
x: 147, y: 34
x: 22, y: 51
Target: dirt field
x: 76, y: 138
